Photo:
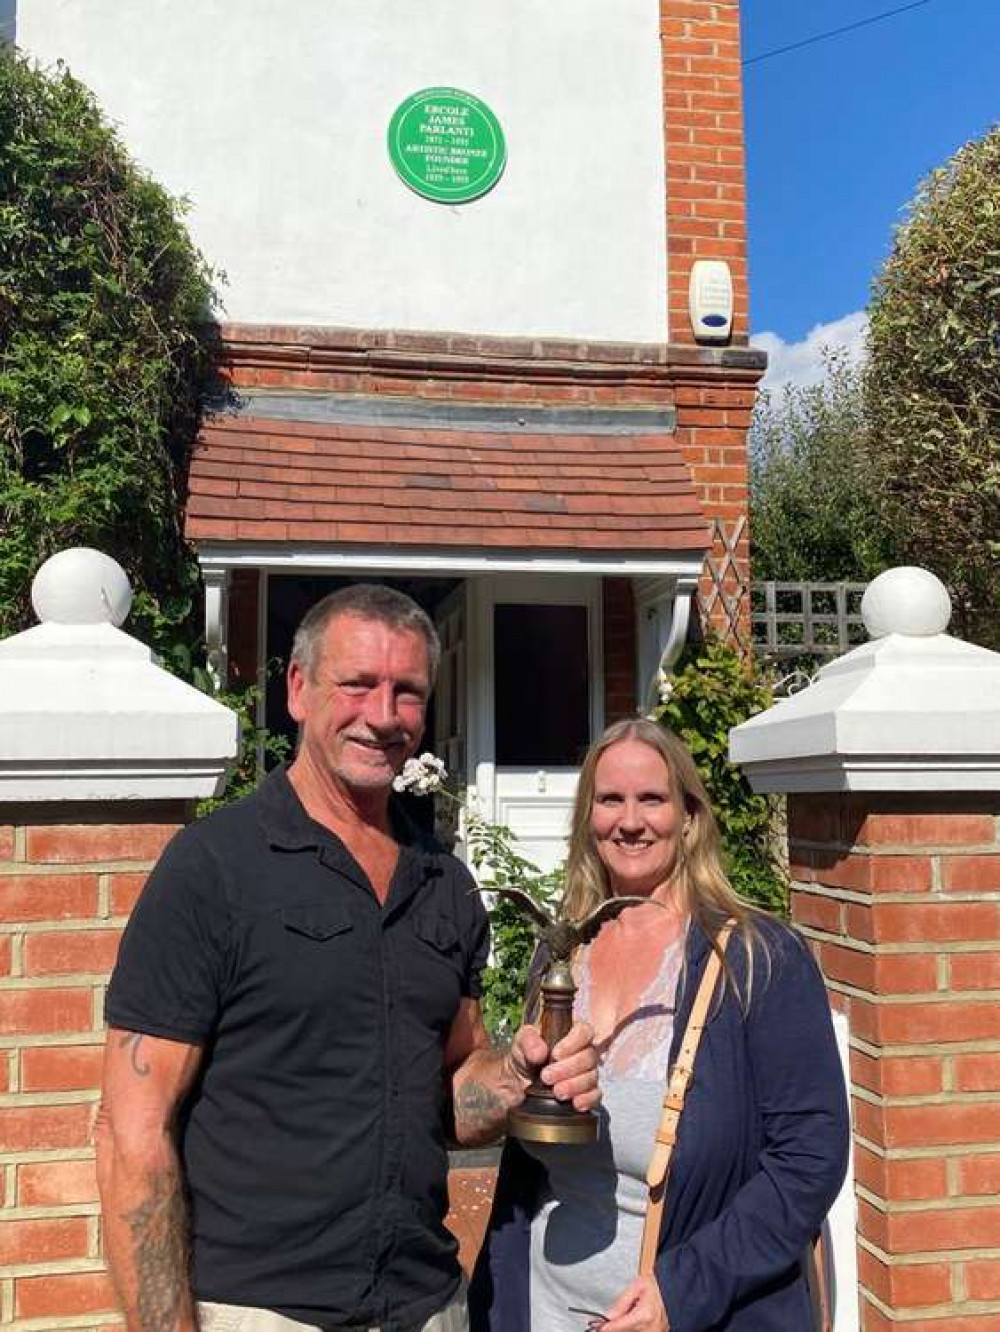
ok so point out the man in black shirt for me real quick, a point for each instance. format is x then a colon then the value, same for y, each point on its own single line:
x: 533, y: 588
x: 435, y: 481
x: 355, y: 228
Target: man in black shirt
x: 295, y: 1007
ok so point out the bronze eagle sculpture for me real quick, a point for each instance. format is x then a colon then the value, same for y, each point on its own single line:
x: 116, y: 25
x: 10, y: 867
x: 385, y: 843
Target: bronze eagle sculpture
x: 561, y: 936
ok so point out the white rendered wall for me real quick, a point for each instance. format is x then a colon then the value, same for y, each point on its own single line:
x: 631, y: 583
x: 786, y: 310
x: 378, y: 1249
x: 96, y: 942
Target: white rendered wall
x: 271, y: 118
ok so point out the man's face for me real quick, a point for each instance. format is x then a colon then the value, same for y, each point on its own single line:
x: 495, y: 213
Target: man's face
x: 362, y: 710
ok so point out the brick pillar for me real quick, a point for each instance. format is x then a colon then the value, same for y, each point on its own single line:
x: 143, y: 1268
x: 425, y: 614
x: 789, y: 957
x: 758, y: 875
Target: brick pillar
x: 892, y: 762
x: 900, y: 896
x: 68, y: 878
x: 101, y: 758
x: 714, y: 407
x: 706, y: 219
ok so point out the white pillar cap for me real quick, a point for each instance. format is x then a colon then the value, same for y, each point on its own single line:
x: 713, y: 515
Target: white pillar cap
x: 85, y: 711
x: 912, y: 710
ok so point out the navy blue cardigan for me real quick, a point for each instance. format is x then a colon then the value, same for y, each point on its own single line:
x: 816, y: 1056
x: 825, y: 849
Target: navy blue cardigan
x: 760, y: 1156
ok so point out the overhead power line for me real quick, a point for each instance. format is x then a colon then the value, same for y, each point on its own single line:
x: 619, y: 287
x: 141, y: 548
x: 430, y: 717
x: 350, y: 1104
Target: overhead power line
x: 835, y: 32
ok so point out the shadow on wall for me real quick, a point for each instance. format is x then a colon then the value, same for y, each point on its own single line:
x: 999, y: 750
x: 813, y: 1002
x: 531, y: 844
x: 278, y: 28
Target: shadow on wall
x: 8, y: 21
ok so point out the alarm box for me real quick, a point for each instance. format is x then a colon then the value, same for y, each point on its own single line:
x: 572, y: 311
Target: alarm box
x: 710, y: 298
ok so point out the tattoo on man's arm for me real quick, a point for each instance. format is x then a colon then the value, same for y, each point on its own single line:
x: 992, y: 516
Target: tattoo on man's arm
x: 159, y: 1249
x: 134, y: 1039
x: 478, y: 1108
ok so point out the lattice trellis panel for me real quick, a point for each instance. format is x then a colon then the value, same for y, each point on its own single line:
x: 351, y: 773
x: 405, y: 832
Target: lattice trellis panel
x: 724, y: 591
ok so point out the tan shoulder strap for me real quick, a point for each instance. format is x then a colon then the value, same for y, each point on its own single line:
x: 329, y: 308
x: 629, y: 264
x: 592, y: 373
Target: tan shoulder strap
x: 673, y: 1102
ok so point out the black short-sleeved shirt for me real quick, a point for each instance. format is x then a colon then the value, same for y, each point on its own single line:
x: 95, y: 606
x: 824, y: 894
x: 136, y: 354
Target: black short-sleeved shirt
x: 314, y: 1141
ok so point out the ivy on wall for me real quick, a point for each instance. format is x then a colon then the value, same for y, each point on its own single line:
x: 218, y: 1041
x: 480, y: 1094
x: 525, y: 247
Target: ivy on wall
x: 104, y: 354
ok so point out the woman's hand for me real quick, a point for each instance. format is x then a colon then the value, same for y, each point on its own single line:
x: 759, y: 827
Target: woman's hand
x: 639, y: 1308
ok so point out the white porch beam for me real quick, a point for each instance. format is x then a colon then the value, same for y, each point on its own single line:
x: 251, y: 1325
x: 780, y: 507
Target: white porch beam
x: 663, y: 613
x: 217, y: 620
x: 222, y: 556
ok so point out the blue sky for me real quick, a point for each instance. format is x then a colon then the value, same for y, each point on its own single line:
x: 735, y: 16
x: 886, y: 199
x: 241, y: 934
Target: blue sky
x: 839, y: 134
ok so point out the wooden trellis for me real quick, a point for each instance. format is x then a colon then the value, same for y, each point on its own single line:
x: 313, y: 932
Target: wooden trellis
x: 806, y: 619
x: 724, y: 588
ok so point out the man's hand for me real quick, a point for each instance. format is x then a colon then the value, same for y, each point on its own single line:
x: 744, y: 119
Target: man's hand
x: 487, y: 1085
x: 572, y: 1072
x: 639, y: 1308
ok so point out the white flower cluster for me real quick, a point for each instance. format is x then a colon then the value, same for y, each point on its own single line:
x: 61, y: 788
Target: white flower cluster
x: 664, y: 686
x: 421, y: 776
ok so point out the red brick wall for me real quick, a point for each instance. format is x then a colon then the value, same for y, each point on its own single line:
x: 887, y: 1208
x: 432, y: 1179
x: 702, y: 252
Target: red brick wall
x: 68, y: 879
x: 713, y: 417
x: 444, y: 366
x: 900, y: 898
x: 703, y: 118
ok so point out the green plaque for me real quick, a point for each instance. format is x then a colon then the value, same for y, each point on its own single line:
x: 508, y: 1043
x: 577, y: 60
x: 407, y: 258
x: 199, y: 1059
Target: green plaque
x: 447, y: 145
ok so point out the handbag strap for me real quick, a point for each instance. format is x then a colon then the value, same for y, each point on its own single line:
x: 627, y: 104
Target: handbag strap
x: 673, y: 1102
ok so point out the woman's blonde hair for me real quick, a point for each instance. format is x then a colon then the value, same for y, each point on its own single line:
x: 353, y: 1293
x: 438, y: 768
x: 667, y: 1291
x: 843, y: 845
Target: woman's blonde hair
x: 703, y: 890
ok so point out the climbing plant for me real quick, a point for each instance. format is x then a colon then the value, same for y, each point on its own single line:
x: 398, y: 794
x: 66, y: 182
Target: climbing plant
x: 104, y: 354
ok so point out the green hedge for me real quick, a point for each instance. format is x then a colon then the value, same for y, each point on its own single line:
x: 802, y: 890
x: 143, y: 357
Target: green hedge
x: 104, y: 355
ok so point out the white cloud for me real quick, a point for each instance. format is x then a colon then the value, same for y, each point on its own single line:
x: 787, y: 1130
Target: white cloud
x: 802, y: 362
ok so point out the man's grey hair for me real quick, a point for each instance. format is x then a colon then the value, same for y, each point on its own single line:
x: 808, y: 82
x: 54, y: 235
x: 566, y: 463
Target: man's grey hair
x: 369, y: 601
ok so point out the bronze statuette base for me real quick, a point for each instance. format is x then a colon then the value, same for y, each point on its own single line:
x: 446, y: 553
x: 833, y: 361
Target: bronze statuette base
x: 533, y: 1123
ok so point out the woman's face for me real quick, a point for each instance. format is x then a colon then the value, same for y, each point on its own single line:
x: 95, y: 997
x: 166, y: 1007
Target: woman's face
x: 635, y: 820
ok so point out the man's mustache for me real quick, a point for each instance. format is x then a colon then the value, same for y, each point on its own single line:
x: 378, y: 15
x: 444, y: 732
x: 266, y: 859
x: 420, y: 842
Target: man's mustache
x: 380, y: 741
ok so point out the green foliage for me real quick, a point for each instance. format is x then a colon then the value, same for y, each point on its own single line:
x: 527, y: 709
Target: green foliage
x: 710, y: 692
x: 933, y: 383
x: 257, y: 744
x: 495, y: 859
x: 103, y: 354
x: 814, y: 504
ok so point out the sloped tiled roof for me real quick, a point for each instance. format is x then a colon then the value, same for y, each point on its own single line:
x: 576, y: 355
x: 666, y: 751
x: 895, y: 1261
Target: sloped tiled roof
x: 259, y: 479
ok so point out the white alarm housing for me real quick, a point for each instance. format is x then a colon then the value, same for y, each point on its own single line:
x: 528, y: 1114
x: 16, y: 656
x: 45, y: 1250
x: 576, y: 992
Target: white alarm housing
x: 710, y: 300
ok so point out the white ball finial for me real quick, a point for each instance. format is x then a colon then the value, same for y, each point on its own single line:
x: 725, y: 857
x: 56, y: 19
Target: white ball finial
x: 81, y: 586
x: 908, y: 601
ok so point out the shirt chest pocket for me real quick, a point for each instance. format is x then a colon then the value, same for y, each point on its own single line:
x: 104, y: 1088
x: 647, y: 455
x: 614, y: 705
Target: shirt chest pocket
x: 299, y: 960
x: 318, y: 922
x: 436, y: 979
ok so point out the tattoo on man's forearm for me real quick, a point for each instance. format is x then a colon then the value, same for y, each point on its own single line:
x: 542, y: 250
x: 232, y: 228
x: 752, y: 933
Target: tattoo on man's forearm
x: 134, y: 1039
x: 478, y: 1108
x: 159, y: 1250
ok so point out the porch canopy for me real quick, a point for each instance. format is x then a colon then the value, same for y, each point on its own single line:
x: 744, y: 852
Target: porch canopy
x: 354, y: 484
x: 531, y: 480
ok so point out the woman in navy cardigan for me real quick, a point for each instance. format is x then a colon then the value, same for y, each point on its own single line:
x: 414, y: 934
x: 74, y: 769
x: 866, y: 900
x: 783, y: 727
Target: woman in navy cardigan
x: 763, y: 1137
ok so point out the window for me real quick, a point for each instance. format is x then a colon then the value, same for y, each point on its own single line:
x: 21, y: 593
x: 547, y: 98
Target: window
x: 542, y: 685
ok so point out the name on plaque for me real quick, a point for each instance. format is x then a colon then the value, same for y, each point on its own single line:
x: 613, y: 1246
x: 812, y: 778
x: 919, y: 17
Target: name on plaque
x: 447, y: 145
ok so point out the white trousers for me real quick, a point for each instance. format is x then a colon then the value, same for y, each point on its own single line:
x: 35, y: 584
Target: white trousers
x: 454, y: 1317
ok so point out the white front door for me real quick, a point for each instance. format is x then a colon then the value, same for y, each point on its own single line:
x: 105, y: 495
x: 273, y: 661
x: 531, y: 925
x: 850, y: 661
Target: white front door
x: 538, y: 701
